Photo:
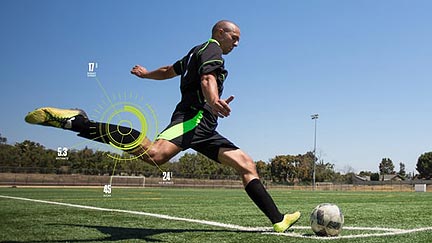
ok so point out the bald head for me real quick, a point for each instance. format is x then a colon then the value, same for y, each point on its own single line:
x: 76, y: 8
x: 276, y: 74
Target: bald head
x: 224, y: 25
x: 227, y: 33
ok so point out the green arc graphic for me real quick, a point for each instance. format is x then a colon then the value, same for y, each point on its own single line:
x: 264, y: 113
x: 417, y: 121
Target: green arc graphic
x: 144, y: 127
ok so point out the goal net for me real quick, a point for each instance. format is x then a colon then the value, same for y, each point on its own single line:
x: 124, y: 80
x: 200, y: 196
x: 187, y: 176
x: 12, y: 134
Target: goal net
x: 132, y: 181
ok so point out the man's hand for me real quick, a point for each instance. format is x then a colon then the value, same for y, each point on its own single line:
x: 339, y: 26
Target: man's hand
x: 161, y: 73
x: 209, y: 87
x: 139, y: 71
x: 220, y: 107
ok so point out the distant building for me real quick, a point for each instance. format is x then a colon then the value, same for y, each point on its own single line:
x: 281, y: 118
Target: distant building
x: 394, y: 177
x: 363, y: 179
x: 357, y: 178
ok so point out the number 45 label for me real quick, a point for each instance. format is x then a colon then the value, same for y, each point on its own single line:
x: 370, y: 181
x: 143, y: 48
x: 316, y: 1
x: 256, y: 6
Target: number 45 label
x: 107, y: 190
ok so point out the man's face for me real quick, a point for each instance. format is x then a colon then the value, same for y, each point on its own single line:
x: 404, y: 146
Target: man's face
x: 229, y: 38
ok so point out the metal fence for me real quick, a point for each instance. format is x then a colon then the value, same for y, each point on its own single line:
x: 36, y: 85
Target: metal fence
x: 37, y: 179
x: 34, y: 179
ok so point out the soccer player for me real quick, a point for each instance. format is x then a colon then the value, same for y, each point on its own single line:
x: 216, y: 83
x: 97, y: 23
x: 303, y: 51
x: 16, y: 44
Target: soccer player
x: 193, y: 123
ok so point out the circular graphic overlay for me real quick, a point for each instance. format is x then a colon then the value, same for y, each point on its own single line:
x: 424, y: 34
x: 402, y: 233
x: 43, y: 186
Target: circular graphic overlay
x: 122, y: 118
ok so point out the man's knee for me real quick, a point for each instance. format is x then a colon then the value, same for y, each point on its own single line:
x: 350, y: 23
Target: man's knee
x: 157, y: 156
x: 161, y: 152
x: 249, y: 165
x: 239, y: 160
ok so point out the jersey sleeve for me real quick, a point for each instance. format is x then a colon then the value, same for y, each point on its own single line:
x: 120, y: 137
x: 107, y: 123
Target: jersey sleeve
x: 178, y: 68
x: 210, y: 59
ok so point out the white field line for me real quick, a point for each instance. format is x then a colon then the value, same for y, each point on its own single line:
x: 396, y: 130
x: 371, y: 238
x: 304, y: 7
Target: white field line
x: 161, y: 216
x: 264, y: 230
x: 391, y: 232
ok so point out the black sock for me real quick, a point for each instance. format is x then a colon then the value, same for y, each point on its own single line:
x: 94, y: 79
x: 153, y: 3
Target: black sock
x: 263, y: 200
x: 103, y: 132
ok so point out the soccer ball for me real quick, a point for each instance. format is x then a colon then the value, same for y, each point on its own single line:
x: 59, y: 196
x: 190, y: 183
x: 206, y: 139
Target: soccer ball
x: 327, y: 220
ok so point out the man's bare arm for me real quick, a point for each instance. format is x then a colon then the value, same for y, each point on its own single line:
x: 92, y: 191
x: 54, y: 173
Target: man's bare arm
x: 161, y: 73
x: 209, y: 87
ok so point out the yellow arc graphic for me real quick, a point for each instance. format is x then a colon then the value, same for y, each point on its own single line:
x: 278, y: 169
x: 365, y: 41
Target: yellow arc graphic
x: 144, y: 127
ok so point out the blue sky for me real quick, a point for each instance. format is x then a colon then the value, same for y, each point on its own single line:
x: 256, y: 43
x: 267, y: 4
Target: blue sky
x: 363, y: 66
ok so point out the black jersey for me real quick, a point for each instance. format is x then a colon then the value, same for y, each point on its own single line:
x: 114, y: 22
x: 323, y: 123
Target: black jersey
x: 193, y: 125
x: 202, y: 59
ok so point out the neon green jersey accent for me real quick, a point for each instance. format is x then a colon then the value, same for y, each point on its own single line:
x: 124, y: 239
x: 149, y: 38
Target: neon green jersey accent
x: 181, y: 128
x: 205, y: 46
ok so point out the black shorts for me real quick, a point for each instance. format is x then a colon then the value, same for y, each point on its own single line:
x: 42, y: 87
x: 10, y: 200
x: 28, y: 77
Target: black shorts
x: 196, y: 130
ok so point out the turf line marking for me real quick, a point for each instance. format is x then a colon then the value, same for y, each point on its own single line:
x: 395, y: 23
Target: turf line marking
x: 263, y: 230
x: 392, y: 232
x: 161, y: 216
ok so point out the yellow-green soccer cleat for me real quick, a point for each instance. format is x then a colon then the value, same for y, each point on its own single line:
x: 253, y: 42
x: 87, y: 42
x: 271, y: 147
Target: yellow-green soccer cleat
x: 54, y: 117
x: 288, y: 221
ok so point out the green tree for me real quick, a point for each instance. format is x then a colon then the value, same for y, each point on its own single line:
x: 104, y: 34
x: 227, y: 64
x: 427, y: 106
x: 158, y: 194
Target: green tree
x: 33, y: 154
x: 424, y: 165
x: 402, y: 171
x: 386, y: 166
x: 305, y: 166
x: 283, y: 168
x: 83, y: 161
x: 324, y: 172
x: 263, y: 169
x: 199, y: 166
x: 296, y: 168
x: 188, y: 165
x: 9, y: 155
x: 374, y: 177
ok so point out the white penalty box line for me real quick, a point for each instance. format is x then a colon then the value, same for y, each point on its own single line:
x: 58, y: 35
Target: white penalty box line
x: 263, y: 230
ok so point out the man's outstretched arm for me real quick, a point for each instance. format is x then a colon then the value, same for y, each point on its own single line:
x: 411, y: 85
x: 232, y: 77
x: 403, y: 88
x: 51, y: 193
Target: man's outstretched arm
x: 161, y: 73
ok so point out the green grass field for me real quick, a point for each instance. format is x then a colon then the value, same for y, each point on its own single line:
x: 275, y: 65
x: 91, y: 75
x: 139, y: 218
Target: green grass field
x: 32, y: 221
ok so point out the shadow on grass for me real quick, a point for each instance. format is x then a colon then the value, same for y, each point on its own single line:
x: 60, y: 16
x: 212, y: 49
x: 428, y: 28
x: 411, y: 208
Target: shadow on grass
x: 126, y: 234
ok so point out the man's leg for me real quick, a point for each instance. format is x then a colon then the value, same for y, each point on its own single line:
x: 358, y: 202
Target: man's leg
x: 156, y: 153
x: 76, y: 120
x: 241, y: 162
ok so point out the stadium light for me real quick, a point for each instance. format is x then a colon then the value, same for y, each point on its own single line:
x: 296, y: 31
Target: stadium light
x: 315, y: 118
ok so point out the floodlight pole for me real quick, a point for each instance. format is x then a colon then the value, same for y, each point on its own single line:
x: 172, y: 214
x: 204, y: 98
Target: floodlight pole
x: 315, y: 118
